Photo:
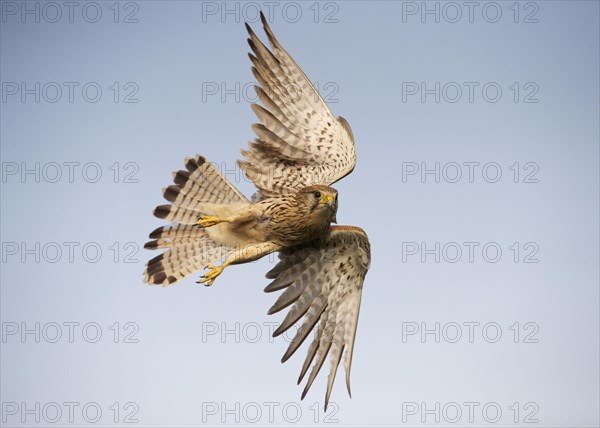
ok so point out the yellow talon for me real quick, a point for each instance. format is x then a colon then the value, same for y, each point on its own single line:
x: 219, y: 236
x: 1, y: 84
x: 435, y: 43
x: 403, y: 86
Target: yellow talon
x: 209, y: 220
x: 209, y: 278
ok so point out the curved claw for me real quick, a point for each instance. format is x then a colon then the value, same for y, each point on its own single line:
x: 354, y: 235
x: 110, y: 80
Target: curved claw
x: 209, y: 220
x: 209, y: 277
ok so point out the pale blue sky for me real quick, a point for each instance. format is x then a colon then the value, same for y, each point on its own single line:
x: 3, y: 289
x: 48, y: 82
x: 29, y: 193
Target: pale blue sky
x: 366, y: 57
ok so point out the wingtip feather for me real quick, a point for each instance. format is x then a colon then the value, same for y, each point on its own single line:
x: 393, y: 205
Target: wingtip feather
x: 348, y: 383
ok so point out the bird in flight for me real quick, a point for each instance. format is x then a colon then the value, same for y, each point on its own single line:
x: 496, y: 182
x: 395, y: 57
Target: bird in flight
x: 300, y: 150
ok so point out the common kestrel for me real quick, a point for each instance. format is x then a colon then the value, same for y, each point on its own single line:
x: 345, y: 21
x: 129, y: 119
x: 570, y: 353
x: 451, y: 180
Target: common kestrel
x: 300, y: 151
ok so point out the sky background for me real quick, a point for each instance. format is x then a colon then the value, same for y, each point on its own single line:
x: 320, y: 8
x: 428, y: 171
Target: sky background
x: 511, y: 328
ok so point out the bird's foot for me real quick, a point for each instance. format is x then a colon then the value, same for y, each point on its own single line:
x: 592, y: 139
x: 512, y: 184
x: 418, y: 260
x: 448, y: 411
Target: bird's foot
x: 209, y: 220
x: 209, y: 277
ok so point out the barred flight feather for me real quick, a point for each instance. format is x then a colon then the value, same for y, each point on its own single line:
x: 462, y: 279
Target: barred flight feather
x: 323, y: 283
x: 299, y: 141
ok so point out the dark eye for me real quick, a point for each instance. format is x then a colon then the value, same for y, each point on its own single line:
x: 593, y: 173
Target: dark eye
x: 317, y: 195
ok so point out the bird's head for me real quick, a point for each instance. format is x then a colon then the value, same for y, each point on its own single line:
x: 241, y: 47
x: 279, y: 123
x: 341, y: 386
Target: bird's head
x: 322, y: 202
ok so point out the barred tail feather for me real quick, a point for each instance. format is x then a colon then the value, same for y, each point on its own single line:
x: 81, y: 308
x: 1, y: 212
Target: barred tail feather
x: 186, y: 255
x: 201, y: 183
x: 200, y: 189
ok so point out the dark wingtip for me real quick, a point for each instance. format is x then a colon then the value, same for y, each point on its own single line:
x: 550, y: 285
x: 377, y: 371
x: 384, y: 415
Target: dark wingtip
x: 286, y: 357
x: 278, y: 332
x: 151, y: 245
x: 156, y: 233
x: 253, y: 46
x: 191, y: 164
x: 263, y: 19
x: 181, y: 177
x: 267, y: 29
x: 155, y: 260
x: 200, y: 160
x: 158, y: 278
x: 304, y: 393
x: 171, y: 192
x: 162, y: 211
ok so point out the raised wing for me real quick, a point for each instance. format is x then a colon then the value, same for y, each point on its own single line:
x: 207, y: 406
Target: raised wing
x: 323, y: 282
x: 300, y: 142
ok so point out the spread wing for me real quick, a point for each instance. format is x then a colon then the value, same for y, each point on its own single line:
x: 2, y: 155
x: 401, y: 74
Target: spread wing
x: 300, y: 142
x: 323, y: 282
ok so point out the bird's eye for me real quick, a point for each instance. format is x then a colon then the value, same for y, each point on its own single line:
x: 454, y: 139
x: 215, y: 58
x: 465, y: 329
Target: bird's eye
x: 317, y: 195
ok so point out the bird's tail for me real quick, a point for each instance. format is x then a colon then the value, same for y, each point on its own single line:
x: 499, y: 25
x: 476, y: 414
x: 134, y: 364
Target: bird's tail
x: 198, y: 190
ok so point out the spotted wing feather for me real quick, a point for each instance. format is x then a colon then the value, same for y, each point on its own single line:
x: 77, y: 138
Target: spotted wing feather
x: 299, y: 141
x: 323, y: 284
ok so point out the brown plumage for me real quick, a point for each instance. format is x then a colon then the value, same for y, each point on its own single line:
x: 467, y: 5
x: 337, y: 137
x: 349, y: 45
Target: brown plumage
x: 300, y: 150
x: 298, y: 218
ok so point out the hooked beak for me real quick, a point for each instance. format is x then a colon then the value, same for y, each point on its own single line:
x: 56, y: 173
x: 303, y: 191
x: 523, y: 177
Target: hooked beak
x: 332, y: 205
